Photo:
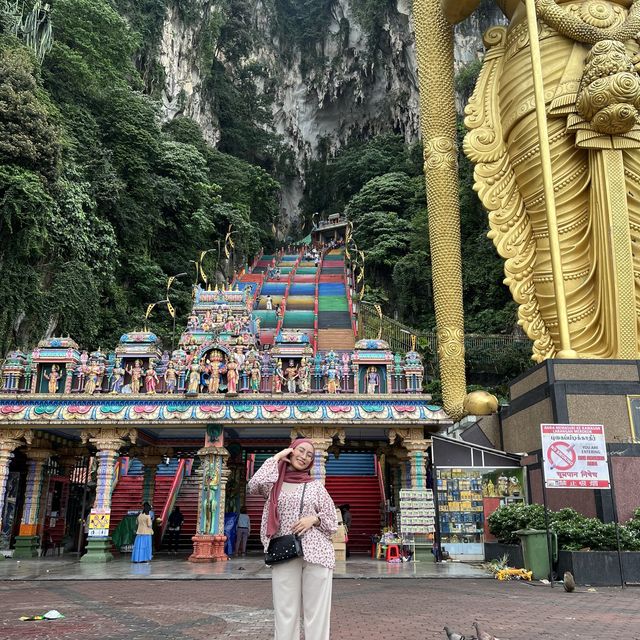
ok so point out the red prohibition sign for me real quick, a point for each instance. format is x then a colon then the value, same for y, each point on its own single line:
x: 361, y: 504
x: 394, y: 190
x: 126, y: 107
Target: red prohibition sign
x: 561, y: 455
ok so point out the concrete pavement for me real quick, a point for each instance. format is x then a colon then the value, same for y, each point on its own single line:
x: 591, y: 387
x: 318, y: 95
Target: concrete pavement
x: 406, y: 609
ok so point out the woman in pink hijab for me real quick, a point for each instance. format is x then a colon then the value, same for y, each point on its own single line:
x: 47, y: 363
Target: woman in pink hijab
x: 301, y: 584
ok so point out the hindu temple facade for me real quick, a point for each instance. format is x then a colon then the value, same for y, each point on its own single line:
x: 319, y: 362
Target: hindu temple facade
x: 269, y: 357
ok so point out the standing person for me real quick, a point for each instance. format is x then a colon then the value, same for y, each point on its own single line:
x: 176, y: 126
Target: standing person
x: 142, y: 546
x: 269, y: 303
x: 242, y: 532
x: 346, y: 520
x: 173, y: 529
x: 301, y: 583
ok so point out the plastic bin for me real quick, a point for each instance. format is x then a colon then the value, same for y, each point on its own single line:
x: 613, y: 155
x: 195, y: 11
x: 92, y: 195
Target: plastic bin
x: 535, y: 551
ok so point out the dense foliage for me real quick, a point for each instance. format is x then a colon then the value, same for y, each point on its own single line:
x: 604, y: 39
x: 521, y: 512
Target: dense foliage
x: 98, y: 203
x: 574, y: 531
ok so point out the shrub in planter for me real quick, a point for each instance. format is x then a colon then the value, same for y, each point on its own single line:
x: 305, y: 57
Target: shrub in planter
x: 574, y: 530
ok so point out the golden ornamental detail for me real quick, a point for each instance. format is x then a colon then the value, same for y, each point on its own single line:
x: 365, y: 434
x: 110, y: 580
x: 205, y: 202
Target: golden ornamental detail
x: 584, y: 25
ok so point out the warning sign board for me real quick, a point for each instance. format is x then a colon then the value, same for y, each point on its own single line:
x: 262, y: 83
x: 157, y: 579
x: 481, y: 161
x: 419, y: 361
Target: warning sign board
x: 575, y: 456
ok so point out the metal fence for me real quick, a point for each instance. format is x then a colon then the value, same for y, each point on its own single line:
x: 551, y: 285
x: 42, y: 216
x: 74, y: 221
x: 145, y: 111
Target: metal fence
x: 483, y: 349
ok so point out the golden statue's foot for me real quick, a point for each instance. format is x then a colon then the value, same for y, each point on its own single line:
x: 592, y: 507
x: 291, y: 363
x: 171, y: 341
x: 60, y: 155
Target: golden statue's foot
x: 480, y: 403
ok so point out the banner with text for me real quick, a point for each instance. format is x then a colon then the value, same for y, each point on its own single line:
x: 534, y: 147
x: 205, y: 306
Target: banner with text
x: 575, y: 456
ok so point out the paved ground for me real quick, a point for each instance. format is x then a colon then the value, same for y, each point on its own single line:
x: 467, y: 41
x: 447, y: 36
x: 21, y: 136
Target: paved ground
x: 165, y: 567
x: 413, y: 609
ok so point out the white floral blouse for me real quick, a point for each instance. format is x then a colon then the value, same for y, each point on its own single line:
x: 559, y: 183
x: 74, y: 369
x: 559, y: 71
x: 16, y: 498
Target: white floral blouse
x: 316, y: 542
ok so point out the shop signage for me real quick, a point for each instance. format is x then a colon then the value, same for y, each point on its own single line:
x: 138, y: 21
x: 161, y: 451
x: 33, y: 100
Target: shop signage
x: 575, y: 456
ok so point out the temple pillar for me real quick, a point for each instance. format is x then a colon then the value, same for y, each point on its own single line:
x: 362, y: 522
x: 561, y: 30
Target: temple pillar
x: 10, y: 440
x: 108, y: 443
x: 418, y: 460
x: 208, y: 543
x: 28, y: 538
x: 322, y: 438
x: 413, y: 440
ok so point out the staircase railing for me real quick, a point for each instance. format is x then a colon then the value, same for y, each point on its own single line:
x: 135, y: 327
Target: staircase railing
x: 400, y: 337
x: 383, y: 495
x: 172, y: 496
x: 316, y: 303
x: 117, y: 472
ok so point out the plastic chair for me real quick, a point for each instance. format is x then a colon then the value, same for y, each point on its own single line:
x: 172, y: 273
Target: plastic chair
x: 393, y: 552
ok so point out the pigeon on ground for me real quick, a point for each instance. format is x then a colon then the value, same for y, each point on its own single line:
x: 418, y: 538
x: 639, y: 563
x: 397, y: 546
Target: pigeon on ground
x: 568, y: 582
x: 483, y: 635
x: 454, y: 635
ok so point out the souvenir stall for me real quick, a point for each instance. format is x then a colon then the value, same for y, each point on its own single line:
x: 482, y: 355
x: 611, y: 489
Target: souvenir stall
x: 471, y: 482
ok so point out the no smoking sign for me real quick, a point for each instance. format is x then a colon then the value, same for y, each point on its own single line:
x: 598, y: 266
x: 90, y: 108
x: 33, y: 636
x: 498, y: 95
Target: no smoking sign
x: 561, y: 455
x: 575, y: 456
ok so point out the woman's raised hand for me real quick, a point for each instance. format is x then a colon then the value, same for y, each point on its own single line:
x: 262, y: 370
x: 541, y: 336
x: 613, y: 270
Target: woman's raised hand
x: 285, y: 453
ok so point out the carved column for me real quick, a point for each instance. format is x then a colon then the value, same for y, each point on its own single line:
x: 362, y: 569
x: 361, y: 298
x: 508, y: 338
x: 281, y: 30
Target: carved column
x: 414, y: 442
x: 10, y: 440
x: 28, y: 539
x: 208, y: 543
x: 322, y: 439
x: 108, y: 443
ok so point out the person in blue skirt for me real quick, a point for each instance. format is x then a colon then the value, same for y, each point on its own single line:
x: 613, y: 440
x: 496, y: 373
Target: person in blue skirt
x: 143, y: 544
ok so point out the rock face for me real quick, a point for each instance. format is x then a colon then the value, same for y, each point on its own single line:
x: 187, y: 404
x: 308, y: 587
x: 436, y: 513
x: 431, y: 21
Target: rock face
x: 350, y: 84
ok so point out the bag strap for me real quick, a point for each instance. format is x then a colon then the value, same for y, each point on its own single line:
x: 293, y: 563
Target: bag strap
x: 302, y: 500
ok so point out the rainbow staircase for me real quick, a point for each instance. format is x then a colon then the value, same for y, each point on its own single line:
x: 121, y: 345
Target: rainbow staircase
x: 335, y: 325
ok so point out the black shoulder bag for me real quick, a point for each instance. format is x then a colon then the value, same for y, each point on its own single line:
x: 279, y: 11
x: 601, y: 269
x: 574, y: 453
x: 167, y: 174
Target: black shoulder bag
x: 287, y: 547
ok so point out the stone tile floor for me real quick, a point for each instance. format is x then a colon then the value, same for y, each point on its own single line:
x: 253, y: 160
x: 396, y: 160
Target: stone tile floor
x: 406, y: 609
x: 167, y: 567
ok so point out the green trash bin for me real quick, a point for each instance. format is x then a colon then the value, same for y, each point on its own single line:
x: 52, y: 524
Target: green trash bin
x: 535, y: 551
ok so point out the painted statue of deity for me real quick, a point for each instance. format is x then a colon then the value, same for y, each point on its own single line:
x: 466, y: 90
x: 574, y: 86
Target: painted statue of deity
x: 255, y: 377
x: 136, y: 372
x: 117, y: 378
x: 232, y: 376
x: 304, y: 376
x: 332, y: 377
x: 278, y: 377
x: 170, y: 378
x: 151, y: 380
x: 91, y: 380
x: 193, y: 385
x: 54, y: 378
x: 373, y: 380
x: 589, y: 64
x: 291, y: 375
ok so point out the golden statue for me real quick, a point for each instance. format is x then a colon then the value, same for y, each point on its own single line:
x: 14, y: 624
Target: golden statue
x: 554, y: 133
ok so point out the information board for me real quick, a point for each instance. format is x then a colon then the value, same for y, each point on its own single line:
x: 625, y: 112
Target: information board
x: 575, y: 456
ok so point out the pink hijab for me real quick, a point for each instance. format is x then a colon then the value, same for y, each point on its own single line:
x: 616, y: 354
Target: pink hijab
x: 286, y: 473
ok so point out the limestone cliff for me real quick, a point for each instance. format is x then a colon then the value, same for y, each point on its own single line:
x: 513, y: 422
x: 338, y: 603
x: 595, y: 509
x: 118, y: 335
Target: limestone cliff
x: 353, y: 81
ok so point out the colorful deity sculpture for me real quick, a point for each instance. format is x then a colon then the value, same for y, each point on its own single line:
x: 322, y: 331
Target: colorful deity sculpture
x: 304, y: 376
x: 91, y: 379
x: 171, y: 378
x: 232, y: 375
x: 136, y: 372
x: 255, y: 377
x: 332, y: 377
x: 53, y: 378
x: 117, y: 377
x: 151, y: 379
x: 215, y: 363
x: 278, y: 377
x: 193, y: 385
x: 291, y: 375
x: 373, y: 380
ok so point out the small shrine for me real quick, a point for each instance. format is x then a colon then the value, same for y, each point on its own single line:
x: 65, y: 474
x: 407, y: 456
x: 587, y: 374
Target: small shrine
x: 55, y: 361
x: 374, y: 362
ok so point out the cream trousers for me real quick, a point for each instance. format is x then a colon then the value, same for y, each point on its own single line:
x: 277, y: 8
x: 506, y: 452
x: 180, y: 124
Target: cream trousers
x: 295, y: 583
